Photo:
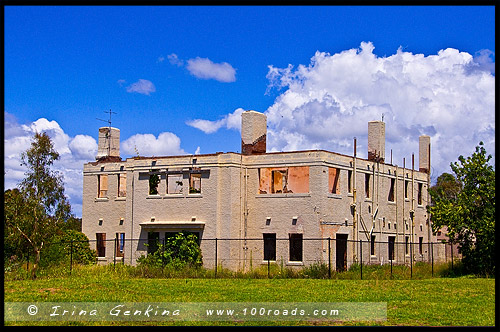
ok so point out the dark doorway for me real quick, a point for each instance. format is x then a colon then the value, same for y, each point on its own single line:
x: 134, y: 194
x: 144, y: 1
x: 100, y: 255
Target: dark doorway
x: 391, y: 247
x: 153, y: 241
x: 341, y: 250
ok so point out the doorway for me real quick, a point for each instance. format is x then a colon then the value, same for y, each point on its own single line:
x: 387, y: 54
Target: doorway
x: 341, y: 250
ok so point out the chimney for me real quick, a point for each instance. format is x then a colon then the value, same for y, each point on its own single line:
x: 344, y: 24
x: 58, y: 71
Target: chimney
x: 108, y: 146
x: 424, y: 153
x: 376, y: 141
x: 253, y: 132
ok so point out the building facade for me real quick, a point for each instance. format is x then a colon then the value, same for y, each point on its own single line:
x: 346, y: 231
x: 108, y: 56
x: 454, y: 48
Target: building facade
x: 256, y: 207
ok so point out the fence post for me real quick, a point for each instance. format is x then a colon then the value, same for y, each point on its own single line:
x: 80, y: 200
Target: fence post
x: 28, y: 260
x: 432, y: 259
x: 329, y: 259
x: 71, y: 256
x: 361, y: 257
x: 411, y: 260
x: 451, y: 245
x: 215, y: 257
x: 268, y: 267
x: 114, y: 254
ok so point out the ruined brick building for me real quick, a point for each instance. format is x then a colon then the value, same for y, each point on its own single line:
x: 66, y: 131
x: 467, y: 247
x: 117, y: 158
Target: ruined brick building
x: 295, y: 207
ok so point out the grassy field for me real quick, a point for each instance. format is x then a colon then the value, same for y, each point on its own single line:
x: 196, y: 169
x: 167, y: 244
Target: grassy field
x: 464, y: 301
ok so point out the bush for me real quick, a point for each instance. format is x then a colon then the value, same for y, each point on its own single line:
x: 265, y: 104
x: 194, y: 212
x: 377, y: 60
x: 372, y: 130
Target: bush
x: 71, y: 244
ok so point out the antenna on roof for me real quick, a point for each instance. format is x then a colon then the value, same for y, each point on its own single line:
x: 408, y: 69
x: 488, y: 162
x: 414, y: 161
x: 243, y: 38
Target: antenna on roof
x: 382, y: 117
x: 108, y: 121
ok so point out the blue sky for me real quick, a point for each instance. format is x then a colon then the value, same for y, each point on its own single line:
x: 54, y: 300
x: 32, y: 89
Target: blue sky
x: 179, y: 77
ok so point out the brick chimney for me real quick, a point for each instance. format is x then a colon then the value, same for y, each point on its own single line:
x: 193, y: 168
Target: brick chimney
x: 108, y: 146
x: 253, y: 132
x: 376, y: 141
x: 424, y: 153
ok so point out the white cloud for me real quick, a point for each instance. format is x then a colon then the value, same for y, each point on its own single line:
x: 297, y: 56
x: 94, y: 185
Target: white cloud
x: 331, y: 100
x: 174, y: 60
x: 206, y: 69
x: 73, y: 153
x: 230, y: 121
x: 142, y: 86
x: 148, y: 145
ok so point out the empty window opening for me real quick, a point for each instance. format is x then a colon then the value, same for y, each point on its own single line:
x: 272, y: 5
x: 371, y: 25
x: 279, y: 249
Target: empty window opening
x: 333, y: 180
x: 279, y: 181
x: 419, y: 194
x: 367, y: 185
x: 122, y: 185
x: 284, y: 180
x: 101, y: 244
x: 269, y: 246
x: 407, y: 245
x: 420, y: 245
x: 102, y: 184
x: 295, y: 247
x: 120, y: 244
x: 349, y: 181
x: 153, y: 241
x: 392, y: 240
x: 174, y: 184
x: 154, y: 181
x: 406, y: 188
x: 372, y: 245
x: 194, y: 183
x: 390, y: 198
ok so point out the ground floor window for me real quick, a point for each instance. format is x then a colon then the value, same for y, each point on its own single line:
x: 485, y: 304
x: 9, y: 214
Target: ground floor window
x: 153, y: 241
x: 295, y: 247
x: 101, y: 244
x: 269, y: 247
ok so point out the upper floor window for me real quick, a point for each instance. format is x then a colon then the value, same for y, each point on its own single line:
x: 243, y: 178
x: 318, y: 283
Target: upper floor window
x: 194, y: 183
x: 419, y: 197
x: 367, y: 185
x: 174, y: 184
x: 349, y: 181
x: 390, y: 198
x: 122, y: 185
x: 406, y: 188
x: 333, y: 180
x: 102, y: 185
x: 154, y: 181
x: 275, y: 180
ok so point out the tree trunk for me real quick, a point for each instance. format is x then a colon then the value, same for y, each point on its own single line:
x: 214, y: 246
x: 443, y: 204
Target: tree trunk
x: 37, y: 262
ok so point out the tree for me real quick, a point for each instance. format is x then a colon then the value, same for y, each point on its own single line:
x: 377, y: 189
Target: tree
x: 467, y: 209
x: 44, y: 205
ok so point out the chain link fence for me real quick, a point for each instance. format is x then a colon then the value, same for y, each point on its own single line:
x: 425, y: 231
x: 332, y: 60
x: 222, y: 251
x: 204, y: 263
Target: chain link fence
x: 337, y: 255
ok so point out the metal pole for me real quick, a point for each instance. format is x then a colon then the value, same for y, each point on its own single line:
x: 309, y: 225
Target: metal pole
x: 268, y: 267
x: 432, y: 258
x: 114, y: 254
x: 215, y: 257
x: 329, y: 259
x: 361, y: 257
x: 411, y: 260
x: 451, y: 245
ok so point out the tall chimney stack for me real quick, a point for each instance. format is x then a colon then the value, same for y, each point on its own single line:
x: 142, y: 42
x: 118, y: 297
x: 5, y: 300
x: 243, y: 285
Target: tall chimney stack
x: 253, y: 132
x: 376, y: 141
x: 108, y: 146
x: 424, y: 153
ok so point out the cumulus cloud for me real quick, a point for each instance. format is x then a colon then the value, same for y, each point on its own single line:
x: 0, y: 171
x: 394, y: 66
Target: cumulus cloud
x: 330, y: 101
x: 142, y: 86
x: 149, y: 145
x: 324, y: 104
x: 230, y: 121
x: 206, y: 69
x: 174, y: 60
x: 73, y: 153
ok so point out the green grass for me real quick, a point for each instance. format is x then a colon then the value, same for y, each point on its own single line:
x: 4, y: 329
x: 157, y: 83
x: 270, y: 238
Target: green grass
x: 464, y: 301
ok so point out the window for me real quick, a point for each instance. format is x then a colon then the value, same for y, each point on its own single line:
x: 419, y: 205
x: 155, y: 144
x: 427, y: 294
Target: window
x: 278, y: 181
x: 419, y: 194
x: 195, y: 183
x: 120, y: 240
x: 391, y: 247
x: 372, y: 246
x: 407, y: 245
x: 154, y: 180
x: 367, y: 185
x: 420, y: 245
x: 269, y: 247
x: 102, y: 184
x: 295, y: 241
x: 174, y: 184
x: 153, y: 241
x: 101, y: 244
x: 406, y: 188
x: 349, y: 181
x: 122, y: 185
x: 390, y: 198
x: 333, y: 180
